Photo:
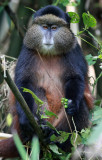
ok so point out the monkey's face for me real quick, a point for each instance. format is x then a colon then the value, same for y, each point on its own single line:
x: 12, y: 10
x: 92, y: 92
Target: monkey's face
x: 49, y: 35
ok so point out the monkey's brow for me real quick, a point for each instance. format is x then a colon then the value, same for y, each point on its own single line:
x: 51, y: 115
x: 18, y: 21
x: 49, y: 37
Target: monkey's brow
x: 50, y: 19
x: 50, y: 23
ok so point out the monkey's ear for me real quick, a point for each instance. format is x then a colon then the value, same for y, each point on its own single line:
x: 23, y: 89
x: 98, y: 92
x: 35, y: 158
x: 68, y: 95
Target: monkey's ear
x: 33, y: 17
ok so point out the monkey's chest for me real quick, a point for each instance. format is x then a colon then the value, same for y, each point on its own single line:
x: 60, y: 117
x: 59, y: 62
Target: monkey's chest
x: 49, y: 78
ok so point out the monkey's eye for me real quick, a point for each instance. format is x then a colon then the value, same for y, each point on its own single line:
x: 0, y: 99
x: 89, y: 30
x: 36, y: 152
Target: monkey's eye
x: 45, y: 26
x: 54, y: 27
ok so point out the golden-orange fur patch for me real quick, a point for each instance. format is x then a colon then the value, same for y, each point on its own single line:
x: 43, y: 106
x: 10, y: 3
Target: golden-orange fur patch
x: 88, y: 96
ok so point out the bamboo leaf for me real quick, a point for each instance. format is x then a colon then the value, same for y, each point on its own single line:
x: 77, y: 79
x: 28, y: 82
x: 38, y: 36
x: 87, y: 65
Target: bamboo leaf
x: 20, y: 147
x: 35, y: 149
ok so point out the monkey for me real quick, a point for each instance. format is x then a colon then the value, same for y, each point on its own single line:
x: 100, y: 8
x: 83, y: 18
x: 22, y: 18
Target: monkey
x: 52, y: 65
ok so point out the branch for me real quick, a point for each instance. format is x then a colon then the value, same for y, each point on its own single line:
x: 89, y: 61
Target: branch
x: 14, y: 18
x: 22, y: 102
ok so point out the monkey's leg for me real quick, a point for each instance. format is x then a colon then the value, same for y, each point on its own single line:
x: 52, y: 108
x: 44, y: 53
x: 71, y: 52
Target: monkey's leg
x: 7, y: 146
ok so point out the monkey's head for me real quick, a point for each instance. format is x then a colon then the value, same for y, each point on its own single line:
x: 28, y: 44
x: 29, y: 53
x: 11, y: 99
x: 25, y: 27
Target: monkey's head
x: 50, y: 32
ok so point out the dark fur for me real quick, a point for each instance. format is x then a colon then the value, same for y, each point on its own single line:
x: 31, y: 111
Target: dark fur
x: 53, y: 10
x: 72, y: 75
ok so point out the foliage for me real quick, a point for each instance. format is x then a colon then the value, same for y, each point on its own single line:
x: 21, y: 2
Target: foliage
x: 35, y: 152
x: 63, y: 136
x: 9, y: 119
x: 67, y: 2
x: 74, y: 17
x: 35, y: 149
x: 20, y: 147
x: 97, y: 123
x: 37, y: 100
x: 89, y: 20
x: 91, y: 59
x: 85, y: 136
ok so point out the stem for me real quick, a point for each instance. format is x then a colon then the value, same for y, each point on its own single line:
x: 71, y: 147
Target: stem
x: 56, y: 3
x: 89, y: 43
x: 22, y: 102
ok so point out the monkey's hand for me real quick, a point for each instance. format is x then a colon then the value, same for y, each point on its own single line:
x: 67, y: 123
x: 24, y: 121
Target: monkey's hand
x: 72, y: 107
x: 48, y: 132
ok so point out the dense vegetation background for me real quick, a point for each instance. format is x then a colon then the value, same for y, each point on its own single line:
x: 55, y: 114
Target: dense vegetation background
x: 16, y: 16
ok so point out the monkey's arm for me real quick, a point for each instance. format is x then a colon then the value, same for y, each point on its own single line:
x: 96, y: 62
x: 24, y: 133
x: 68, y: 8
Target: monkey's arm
x: 74, y: 90
x: 75, y: 84
x: 24, y: 78
x: 26, y: 129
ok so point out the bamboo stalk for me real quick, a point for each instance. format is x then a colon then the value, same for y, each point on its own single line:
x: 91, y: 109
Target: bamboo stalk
x: 22, y: 102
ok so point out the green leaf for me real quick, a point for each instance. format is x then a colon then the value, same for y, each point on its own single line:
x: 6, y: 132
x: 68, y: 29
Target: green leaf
x: 49, y: 113
x: 53, y: 138
x: 35, y: 149
x: 89, y: 20
x: 44, y: 116
x: 64, y: 136
x: 30, y: 9
x: 54, y: 148
x: 37, y: 100
x: 20, y: 147
x: 75, y: 139
x: 51, y: 126
x: 69, y: 156
x: 64, y: 2
x: 97, y: 102
x: 61, y: 138
x: 67, y: 2
x: 9, y: 119
x: 100, y: 56
x: 91, y: 59
x: 74, y: 17
x: 85, y: 134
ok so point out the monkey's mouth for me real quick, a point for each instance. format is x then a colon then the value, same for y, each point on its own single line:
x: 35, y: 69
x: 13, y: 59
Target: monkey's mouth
x: 47, y: 45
